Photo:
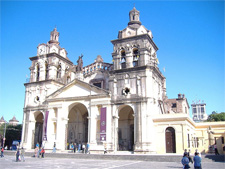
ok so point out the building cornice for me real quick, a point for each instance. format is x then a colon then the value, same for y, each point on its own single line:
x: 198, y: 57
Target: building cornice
x: 133, y: 69
x: 43, y: 81
x: 51, y: 55
x: 136, y: 37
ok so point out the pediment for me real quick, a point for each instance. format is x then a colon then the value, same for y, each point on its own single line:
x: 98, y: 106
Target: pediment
x: 77, y: 88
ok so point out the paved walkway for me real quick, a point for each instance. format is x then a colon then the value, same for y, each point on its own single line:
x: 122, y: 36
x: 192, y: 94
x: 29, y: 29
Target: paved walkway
x: 8, y: 162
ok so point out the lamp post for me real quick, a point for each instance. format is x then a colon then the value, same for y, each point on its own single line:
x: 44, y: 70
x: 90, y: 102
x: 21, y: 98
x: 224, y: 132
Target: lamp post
x: 4, y: 135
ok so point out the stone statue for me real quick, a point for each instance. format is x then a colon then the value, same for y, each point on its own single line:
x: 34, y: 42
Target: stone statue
x: 80, y: 63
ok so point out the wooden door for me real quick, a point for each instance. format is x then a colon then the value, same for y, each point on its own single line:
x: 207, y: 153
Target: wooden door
x: 170, y: 140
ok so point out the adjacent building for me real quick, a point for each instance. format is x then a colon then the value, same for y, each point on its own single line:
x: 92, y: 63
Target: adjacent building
x: 199, y: 112
x: 122, y: 105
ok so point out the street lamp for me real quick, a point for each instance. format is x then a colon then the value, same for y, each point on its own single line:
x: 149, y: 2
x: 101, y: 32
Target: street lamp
x: 4, y: 135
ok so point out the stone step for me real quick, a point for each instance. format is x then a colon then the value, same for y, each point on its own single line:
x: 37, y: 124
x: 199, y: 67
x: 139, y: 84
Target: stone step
x: 124, y: 156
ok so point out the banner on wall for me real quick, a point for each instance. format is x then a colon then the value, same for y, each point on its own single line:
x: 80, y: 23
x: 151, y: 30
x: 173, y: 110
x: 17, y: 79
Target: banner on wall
x: 103, y: 124
x: 45, y: 125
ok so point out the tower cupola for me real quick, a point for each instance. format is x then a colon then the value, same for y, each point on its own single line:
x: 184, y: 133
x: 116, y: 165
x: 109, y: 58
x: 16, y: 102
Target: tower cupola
x: 54, y: 37
x: 134, y: 18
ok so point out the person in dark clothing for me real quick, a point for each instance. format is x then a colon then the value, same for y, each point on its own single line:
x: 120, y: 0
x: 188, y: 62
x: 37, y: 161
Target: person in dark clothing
x: 197, y: 161
x: 17, y: 154
x: 74, y: 147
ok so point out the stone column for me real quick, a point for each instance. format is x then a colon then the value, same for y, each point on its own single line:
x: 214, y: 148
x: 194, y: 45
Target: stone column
x: 23, y: 129
x: 137, y: 127
x: 115, y: 125
x: 89, y: 129
x: 129, y: 59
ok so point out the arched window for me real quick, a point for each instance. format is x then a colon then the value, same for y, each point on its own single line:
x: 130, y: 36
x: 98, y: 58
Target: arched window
x: 135, y: 57
x: 59, y: 71
x: 170, y: 140
x: 38, y: 72
x: 46, y: 71
x: 123, y: 59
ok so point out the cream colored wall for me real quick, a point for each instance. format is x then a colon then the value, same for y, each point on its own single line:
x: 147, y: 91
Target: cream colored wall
x: 202, y: 131
x: 182, y: 125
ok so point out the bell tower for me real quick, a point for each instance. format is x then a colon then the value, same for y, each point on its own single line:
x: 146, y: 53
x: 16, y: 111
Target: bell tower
x: 137, y: 82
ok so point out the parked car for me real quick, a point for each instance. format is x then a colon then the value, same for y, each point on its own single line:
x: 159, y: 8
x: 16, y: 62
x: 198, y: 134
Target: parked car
x: 15, y: 144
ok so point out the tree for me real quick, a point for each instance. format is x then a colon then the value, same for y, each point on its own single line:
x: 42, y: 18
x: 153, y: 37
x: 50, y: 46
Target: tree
x: 216, y: 117
x: 12, y: 133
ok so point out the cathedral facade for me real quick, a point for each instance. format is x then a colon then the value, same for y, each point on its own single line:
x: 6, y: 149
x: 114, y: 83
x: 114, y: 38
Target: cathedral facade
x: 121, y: 106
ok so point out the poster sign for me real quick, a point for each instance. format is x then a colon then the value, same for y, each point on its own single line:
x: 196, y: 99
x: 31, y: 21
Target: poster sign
x: 45, y: 125
x: 103, y: 124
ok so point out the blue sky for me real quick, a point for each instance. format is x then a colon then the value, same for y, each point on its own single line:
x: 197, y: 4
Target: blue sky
x: 189, y: 35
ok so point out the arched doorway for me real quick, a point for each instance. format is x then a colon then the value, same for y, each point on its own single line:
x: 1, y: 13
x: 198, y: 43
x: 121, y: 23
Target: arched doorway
x: 77, y: 124
x: 170, y: 140
x: 38, y: 129
x: 125, y: 128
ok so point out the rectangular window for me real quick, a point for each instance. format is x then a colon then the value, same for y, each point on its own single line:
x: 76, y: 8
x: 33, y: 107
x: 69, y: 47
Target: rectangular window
x: 197, y: 142
x: 174, y: 105
x: 194, y: 110
x: 202, y: 109
x: 188, y: 141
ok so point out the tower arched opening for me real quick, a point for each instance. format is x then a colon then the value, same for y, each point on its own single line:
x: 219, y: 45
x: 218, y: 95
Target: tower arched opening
x: 125, y: 128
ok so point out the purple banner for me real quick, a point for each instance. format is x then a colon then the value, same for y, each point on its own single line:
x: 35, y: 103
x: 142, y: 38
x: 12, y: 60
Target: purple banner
x: 45, y: 126
x: 103, y: 124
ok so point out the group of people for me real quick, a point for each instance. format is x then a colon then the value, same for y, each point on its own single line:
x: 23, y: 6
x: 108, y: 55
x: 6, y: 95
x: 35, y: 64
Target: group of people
x: 187, y: 159
x: 39, y: 151
x: 81, y: 147
x: 20, y: 153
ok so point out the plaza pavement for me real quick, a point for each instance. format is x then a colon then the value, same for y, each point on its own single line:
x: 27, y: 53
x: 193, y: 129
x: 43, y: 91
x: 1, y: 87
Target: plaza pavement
x: 9, y: 162
x: 121, y: 160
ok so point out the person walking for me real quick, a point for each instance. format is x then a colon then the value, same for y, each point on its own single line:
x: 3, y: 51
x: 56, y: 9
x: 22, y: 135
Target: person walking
x: 197, y: 161
x: 185, y: 161
x: 22, y: 154
x: 83, y: 147
x: 88, y: 146
x: 2, y: 152
x: 189, y: 156
x: 54, y: 148
x: 74, y: 147
x: 79, y: 146
x: 17, y: 154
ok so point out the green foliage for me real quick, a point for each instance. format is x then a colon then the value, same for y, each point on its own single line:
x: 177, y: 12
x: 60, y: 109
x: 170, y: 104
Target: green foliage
x: 13, y: 133
x: 216, y: 117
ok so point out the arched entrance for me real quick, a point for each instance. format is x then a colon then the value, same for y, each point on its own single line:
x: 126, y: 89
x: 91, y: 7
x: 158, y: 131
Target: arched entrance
x: 77, y: 124
x: 125, y: 128
x: 38, y: 129
x: 170, y: 140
